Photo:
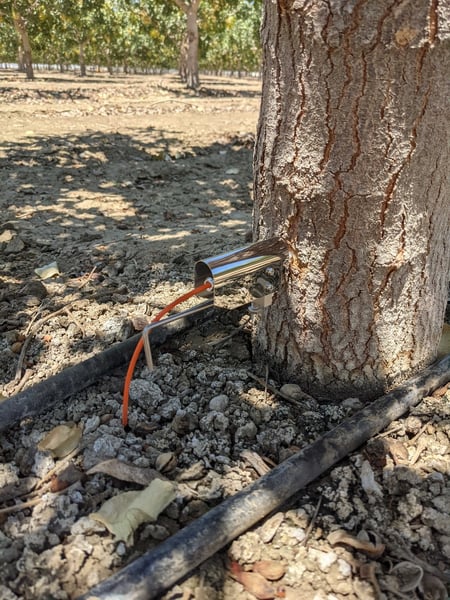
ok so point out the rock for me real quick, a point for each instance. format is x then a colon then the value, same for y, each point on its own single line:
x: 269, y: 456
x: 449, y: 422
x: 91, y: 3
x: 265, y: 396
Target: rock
x: 184, y: 422
x: 34, y: 292
x: 116, y: 329
x: 323, y: 559
x: 292, y: 391
x: 437, y: 520
x: 91, y: 424
x: 219, y: 403
x: 248, y: 548
x: 247, y: 431
x: 15, y: 245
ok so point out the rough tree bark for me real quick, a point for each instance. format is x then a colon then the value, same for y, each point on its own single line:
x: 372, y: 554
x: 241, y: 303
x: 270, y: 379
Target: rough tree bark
x: 189, y: 63
x: 20, y: 26
x: 351, y: 168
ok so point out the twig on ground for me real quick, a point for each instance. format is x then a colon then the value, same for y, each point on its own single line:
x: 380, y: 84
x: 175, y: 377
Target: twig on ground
x: 16, y: 388
x: 389, y: 431
x: 89, y: 277
x: 255, y: 461
x: 45, y: 482
x: 30, y: 336
x: 312, y: 522
x: 72, y: 318
x: 274, y: 390
x: 418, y: 434
x: 29, y: 503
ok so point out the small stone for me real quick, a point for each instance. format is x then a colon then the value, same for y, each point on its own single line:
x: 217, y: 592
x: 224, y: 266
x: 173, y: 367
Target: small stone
x: 184, y: 422
x: 116, y: 329
x: 85, y: 525
x: 247, y: 431
x: 219, y: 403
x: 323, y: 559
x: 15, y: 246
x: 91, y: 424
x: 106, y: 446
x: 43, y: 463
x: 437, y: 520
x: 413, y: 424
x: 292, y: 391
x: 121, y: 549
x: 345, y: 569
x: 352, y: 404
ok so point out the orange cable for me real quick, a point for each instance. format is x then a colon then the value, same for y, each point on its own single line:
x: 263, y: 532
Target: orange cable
x: 137, y: 351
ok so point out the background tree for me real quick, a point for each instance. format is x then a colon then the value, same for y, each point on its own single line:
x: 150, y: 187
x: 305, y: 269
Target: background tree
x: 189, y: 46
x: 21, y: 13
x: 351, y: 167
x: 229, y: 38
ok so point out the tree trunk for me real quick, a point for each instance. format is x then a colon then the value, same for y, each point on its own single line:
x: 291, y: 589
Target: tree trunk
x: 351, y: 168
x: 81, y: 47
x: 20, y: 59
x: 182, y: 68
x: 190, y: 65
x: 20, y: 26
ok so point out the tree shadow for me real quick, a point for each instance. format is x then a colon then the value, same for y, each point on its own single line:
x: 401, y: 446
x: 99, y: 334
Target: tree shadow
x: 131, y: 207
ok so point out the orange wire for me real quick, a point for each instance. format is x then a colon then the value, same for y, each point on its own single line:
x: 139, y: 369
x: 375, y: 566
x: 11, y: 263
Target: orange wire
x: 139, y: 346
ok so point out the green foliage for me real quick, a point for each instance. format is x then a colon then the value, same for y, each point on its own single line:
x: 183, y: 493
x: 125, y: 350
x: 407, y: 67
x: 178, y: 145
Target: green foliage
x: 229, y: 34
x: 133, y: 33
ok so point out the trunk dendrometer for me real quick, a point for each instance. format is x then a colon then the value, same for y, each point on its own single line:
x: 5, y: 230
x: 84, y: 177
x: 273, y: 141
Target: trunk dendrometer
x: 351, y: 169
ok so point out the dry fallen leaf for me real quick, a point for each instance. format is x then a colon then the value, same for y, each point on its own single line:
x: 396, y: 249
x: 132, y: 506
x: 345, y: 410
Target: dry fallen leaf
x: 339, y: 536
x: 67, y: 477
x: 47, y: 271
x: 270, y: 569
x: 408, y: 575
x: 126, y: 472
x: 123, y: 513
x: 61, y: 440
x: 254, y: 583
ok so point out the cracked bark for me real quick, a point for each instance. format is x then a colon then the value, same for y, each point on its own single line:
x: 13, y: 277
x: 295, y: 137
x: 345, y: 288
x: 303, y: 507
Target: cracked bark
x: 351, y: 167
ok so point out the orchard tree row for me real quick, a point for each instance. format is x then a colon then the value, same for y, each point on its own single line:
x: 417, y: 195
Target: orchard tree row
x: 216, y: 35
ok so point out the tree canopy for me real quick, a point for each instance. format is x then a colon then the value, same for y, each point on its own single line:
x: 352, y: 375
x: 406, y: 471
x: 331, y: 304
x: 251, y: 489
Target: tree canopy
x: 129, y: 34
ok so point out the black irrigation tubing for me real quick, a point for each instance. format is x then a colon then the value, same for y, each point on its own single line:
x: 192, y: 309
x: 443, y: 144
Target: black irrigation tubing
x: 59, y: 387
x: 158, y: 570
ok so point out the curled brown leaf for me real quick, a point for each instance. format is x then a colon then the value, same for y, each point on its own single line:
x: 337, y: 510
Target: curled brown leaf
x: 339, y: 536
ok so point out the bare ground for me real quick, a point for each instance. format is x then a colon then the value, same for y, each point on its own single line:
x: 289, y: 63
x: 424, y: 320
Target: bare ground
x: 124, y: 183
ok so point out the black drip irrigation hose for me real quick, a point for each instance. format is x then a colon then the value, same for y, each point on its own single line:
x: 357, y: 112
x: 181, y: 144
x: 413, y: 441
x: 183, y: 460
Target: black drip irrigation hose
x: 158, y: 570
x: 57, y: 388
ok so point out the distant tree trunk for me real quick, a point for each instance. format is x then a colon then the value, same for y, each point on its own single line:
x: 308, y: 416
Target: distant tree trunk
x: 191, y: 73
x: 182, y: 68
x: 20, y: 26
x: 351, y: 168
x: 21, y: 59
x: 82, y: 59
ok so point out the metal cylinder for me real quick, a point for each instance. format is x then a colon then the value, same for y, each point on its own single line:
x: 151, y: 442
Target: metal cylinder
x: 248, y: 260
